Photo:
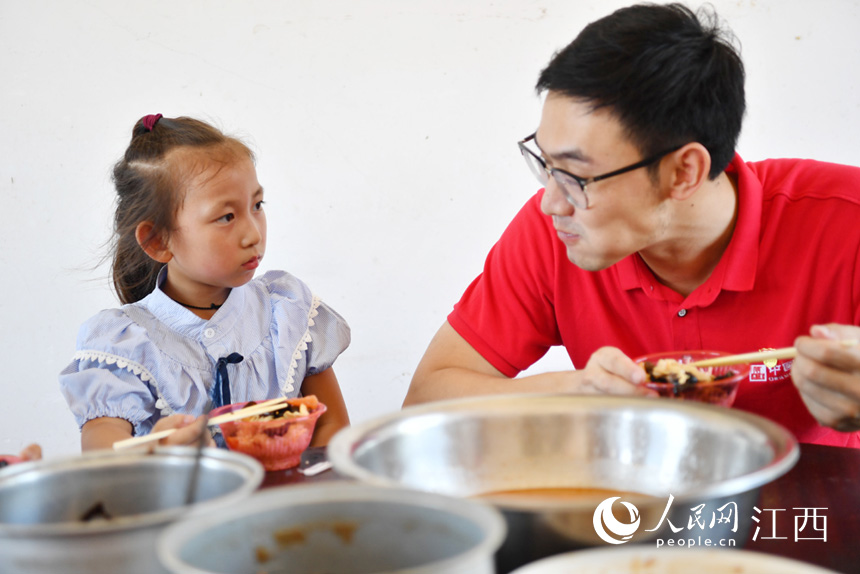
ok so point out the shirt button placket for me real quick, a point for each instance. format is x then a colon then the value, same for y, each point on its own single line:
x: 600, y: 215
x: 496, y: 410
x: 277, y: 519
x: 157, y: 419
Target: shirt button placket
x: 215, y: 348
x: 681, y: 329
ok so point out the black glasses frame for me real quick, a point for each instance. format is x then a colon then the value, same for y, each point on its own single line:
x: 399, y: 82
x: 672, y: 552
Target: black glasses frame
x: 582, y: 181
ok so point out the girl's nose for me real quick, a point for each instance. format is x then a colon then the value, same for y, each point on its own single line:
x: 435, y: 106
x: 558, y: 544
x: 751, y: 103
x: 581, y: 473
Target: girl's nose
x: 554, y: 201
x: 254, y: 232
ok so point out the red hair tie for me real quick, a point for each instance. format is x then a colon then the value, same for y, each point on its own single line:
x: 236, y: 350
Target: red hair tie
x: 150, y: 121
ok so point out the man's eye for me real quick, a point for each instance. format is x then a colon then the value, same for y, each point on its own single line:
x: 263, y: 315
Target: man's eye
x: 259, y: 205
x: 226, y: 218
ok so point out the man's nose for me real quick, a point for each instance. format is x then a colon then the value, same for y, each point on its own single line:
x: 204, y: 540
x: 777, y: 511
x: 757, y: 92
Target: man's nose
x: 554, y: 200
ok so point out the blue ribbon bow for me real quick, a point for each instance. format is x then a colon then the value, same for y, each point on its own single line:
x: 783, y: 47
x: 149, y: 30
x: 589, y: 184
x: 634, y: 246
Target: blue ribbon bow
x: 221, y: 390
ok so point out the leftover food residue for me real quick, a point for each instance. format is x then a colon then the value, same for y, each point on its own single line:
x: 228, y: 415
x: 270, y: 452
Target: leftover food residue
x: 293, y: 535
x: 96, y: 512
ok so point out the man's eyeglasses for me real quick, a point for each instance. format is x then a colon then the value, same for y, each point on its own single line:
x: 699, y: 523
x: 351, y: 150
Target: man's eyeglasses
x: 571, y: 185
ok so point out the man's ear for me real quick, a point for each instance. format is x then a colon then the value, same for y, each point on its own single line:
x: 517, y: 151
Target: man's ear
x: 153, y: 244
x: 690, y: 166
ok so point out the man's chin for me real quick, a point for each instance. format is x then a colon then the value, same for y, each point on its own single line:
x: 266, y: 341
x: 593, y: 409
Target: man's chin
x: 589, y: 262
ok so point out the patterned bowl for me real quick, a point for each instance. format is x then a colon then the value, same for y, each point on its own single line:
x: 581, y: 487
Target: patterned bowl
x: 278, y: 443
x: 720, y: 391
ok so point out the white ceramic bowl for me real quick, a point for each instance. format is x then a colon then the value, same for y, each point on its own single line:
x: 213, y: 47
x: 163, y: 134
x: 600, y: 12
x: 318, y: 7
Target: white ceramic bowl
x: 644, y: 560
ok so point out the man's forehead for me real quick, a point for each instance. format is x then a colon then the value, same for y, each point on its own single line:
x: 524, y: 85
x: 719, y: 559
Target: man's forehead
x: 562, y: 152
x: 573, y: 129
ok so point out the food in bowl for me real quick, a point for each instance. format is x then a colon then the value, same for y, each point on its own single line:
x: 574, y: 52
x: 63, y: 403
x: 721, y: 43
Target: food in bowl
x: 679, y: 374
x: 672, y: 375
x: 278, y: 438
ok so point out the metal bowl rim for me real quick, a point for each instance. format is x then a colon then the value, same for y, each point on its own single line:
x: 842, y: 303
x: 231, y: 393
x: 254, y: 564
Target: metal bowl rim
x: 485, y: 516
x: 785, y: 445
x: 251, y: 470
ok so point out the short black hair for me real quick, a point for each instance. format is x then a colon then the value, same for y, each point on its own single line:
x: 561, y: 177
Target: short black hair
x: 670, y: 76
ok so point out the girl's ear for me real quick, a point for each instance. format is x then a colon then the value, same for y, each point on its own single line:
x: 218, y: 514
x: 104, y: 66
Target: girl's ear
x: 690, y: 168
x: 153, y: 245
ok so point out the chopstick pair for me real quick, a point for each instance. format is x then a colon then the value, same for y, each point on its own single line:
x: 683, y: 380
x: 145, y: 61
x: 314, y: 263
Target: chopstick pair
x: 758, y: 357
x: 257, y: 409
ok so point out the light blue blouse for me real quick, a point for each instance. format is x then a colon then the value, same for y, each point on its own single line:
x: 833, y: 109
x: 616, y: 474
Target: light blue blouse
x: 154, y: 358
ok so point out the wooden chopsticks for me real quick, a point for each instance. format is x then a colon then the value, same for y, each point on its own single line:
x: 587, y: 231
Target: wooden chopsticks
x: 257, y: 409
x: 758, y: 357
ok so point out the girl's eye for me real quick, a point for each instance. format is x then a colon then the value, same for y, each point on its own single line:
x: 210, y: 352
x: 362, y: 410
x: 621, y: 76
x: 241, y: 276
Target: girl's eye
x: 259, y: 205
x: 225, y: 218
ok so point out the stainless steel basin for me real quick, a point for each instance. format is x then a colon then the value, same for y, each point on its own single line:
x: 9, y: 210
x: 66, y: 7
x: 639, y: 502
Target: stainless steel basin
x: 695, y: 453
x: 340, y: 527
x: 43, y: 504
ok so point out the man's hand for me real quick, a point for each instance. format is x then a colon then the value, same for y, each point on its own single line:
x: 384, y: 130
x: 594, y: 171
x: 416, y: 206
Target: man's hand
x: 826, y: 371
x: 611, y: 372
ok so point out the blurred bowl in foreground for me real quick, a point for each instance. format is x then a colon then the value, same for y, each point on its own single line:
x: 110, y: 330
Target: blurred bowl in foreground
x: 346, y: 528
x: 101, y: 512
x: 642, y: 560
x: 721, y: 391
x: 662, y: 458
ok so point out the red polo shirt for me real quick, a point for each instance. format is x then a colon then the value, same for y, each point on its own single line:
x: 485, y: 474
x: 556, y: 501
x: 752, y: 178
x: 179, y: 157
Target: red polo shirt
x: 791, y: 263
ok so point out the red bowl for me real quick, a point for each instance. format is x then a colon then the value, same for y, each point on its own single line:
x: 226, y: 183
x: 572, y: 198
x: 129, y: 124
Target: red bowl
x: 278, y: 443
x: 717, y: 392
x: 9, y: 459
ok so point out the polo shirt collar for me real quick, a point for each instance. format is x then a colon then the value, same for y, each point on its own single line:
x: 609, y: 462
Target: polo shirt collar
x: 737, y: 267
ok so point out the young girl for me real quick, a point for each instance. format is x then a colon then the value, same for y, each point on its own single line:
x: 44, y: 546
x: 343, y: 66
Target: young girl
x: 196, y: 330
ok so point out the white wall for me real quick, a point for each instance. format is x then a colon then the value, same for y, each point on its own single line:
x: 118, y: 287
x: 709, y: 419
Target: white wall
x: 386, y: 133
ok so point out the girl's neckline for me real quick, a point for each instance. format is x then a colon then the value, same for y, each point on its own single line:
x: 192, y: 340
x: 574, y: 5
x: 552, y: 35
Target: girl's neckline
x: 212, y: 307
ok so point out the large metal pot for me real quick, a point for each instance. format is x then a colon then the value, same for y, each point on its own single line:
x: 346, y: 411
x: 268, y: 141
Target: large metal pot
x: 346, y: 528
x: 42, y: 505
x: 697, y: 454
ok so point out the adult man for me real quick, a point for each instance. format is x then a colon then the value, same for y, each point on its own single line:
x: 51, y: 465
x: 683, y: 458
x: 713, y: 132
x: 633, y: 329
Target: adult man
x: 664, y: 239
